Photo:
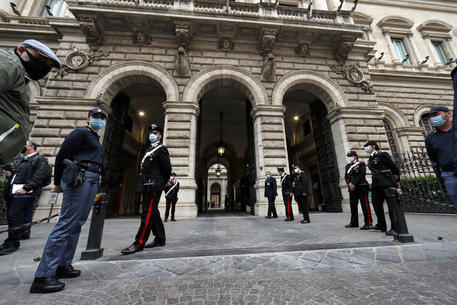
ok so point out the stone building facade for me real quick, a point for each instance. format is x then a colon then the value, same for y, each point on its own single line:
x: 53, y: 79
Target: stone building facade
x: 297, y: 81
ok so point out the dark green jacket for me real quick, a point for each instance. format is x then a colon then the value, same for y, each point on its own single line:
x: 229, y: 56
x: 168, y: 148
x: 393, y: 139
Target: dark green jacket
x: 14, y: 106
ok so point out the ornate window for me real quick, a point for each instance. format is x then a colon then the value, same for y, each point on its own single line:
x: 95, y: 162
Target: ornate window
x: 437, y: 35
x: 398, y: 33
x: 54, y: 8
x: 391, y: 138
x: 365, y: 21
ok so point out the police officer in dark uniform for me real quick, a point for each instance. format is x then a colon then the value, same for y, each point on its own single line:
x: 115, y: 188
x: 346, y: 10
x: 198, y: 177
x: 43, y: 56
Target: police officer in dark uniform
x: 385, y: 174
x: 358, y: 190
x: 171, y: 196
x: 287, y: 193
x: 154, y: 175
x: 301, y: 192
x: 271, y: 193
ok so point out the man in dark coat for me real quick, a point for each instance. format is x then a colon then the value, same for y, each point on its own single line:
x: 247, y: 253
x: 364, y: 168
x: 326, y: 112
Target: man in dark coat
x: 155, y: 173
x: 270, y: 193
x: 287, y: 193
x: 171, y: 197
x: 358, y: 190
x: 301, y: 192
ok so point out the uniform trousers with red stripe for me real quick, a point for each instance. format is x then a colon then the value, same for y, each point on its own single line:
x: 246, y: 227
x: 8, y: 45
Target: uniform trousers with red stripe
x: 288, y: 206
x: 150, y: 219
x: 360, y: 194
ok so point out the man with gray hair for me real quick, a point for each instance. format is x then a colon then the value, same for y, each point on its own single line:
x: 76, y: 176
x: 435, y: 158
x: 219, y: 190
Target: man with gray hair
x: 30, y: 60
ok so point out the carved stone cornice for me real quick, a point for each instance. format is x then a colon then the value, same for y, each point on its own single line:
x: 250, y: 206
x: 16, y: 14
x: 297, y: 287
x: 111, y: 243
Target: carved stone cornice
x: 353, y: 74
x: 89, y: 28
x: 183, y: 32
x: 342, y: 46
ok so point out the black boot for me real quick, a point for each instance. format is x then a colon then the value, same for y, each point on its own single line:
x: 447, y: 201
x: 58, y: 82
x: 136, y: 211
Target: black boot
x: 46, y: 285
x: 8, y: 249
x: 67, y: 272
x: 25, y: 235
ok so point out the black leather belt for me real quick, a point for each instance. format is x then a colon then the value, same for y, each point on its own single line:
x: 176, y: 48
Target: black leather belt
x: 91, y: 167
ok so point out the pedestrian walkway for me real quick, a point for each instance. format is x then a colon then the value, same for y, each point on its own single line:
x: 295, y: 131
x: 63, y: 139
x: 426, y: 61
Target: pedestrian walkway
x: 238, y: 260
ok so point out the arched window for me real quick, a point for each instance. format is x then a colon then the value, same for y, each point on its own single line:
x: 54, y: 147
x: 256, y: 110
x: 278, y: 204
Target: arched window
x: 391, y: 138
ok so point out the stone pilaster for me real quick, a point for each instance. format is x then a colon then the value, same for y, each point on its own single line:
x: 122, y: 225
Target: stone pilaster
x: 180, y: 138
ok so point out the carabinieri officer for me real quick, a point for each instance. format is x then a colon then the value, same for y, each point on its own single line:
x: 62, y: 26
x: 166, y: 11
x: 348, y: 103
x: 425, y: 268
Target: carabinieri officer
x: 82, y: 144
x: 287, y: 193
x: 154, y: 175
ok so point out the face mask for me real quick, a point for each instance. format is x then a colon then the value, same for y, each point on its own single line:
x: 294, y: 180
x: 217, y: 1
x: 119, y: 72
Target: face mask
x: 35, y: 68
x: 350, y: 159
x: 367, y: 149
x: 152, y: 137
x: 437, y: 121
x: 97, y: 124
x: 23, y: 150
x: 296, y: 170
x: 268, y: 176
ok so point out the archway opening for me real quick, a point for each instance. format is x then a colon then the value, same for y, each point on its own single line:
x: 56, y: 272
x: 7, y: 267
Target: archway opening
x: 225, y: 121
x: 217, y: 190
x: 310, y: 144
x: 133, y: 109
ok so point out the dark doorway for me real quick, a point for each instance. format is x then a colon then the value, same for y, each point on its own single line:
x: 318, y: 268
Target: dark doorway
x: 225, y: 120
x: 310, y: 144
x: 125, y: 140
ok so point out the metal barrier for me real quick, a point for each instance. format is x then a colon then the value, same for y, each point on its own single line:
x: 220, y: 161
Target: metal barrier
x: 94, y: 240
x: 422, y: 192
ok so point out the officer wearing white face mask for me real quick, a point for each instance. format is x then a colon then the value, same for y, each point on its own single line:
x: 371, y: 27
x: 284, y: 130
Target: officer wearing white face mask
x: 301, y: 192
x: 440, y: 149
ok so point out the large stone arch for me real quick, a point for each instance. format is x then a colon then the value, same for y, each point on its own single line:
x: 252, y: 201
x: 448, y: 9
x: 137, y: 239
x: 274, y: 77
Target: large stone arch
x: 319, y: 84
x: 399, y: 124
x: 118, y: 77
x: 217, y: 76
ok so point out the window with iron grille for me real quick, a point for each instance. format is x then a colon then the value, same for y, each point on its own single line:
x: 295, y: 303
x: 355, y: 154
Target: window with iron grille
x: 391, y: 138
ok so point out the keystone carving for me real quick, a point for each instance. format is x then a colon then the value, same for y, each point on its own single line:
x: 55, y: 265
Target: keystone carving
x: 225, y: 44
x: 79, y: 59
x: 302, y: 49
x: 183, y: 35
x: 89, y: 28
x: 141, y: 37
x: 182, y: 63
x: 269, y: 68
x: 268, y: 40
x: 353, y: 74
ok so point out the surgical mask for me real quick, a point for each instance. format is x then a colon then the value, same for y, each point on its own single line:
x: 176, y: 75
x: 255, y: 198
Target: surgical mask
x: 152, y: 137
x: 367, y: 149
x: 437, y: 121
x: 35, y: 68
x: 296, y: 170
x: 268, y: 176
x: 97, y: 124
x: 350, y: 159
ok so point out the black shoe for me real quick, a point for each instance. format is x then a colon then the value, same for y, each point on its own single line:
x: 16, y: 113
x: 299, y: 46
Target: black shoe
x: 8, y: 249
x: 46, y: 285
x: 365, y: 227
x: 268, y: 217
x: 378, y: 228
x: 173, y: 219
x: 351, y: 226
x: 67, y: 272
x: 25, y: 235
x: 275, y: 216
x: 305, y: 221
x: 391, y: 233
x: 132, y: 249
x: 155, y: 244
x: 165, y: 220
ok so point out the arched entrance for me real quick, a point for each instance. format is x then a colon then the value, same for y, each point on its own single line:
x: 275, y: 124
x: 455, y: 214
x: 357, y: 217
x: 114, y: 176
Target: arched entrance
x: 313, y: 140
x: 135, y: 93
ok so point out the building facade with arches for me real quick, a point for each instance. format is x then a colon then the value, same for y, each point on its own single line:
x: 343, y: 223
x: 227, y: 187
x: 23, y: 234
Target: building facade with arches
x: 293, y: 83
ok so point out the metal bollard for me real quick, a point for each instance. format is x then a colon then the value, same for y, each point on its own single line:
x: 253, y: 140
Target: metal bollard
x: 94, y: 240
x: 394, y: 202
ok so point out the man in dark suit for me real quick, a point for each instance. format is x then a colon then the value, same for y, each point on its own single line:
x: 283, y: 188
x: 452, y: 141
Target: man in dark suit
x: 270, y: 193
x: 287, y: 193
x: 301, y: 192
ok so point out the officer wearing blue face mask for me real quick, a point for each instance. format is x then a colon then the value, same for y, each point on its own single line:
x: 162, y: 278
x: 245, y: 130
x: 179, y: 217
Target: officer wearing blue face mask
x: 155, y: 174
x: 83, y: 148
x: 440, y: 149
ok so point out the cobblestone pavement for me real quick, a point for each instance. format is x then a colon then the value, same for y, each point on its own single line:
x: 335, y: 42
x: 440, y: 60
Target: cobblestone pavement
x: 241, y: 260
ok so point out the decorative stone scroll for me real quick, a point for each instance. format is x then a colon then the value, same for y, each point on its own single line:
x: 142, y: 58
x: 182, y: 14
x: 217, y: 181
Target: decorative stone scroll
x: 268, y: 40
x: 89, y: 28
x: 79, y: 59
x: 302, y: 49
x: 353, y: 74
x: 183, y: 34
x: 182, y: 63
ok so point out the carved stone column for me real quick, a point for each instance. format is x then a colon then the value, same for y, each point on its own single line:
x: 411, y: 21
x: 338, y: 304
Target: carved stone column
x: 180, y: 138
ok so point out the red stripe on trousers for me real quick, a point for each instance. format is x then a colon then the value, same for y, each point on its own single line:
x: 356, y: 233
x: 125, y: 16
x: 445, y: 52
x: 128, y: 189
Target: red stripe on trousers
x: 368, y: 210
x: 288, y: 208
x: 146, y: 223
